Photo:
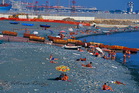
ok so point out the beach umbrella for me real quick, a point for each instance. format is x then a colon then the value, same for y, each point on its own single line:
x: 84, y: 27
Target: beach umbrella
x: 62, y: 31
x: 62, y: 68
x: 35, y: 32
x: 99, y: 49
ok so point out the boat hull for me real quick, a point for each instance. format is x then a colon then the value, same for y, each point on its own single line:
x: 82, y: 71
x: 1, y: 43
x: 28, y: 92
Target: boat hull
x: 72, y: 47
x: 26, y: 24
x: 14, y: 22
x: 46, y: 26
x: 5, y: 8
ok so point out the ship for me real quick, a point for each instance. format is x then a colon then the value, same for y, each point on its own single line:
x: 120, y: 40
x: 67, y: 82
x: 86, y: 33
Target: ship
x: 5, y: 6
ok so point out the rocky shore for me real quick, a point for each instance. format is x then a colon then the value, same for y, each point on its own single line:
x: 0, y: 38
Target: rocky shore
x: 26, y: 68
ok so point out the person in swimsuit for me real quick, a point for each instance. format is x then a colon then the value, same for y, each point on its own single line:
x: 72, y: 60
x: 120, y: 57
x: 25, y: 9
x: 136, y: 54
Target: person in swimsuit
x: 128, y: 53
x: 106, y: 87
x: 124, y: 58
x: 52, y: 59
x: 88, y: 65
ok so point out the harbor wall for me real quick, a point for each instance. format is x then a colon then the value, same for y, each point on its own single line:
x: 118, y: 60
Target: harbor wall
x: 101, y: 15
x: 73, y: 17
x: 80, y: 18
x: 5, y: 15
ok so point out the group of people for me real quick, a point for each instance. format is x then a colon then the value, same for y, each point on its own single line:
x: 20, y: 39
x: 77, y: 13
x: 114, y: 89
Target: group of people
x: 111, y: 55
x: 63, y: 76
x: 93, y: 51
x: 126, y: 55
x: 106, y: 87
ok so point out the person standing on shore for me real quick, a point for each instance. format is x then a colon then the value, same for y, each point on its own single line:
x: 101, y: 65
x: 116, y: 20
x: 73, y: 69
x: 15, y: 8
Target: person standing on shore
x: 124, y: 58
x: 113, y: 55
x: 128, y: 53
x: 109, y: 54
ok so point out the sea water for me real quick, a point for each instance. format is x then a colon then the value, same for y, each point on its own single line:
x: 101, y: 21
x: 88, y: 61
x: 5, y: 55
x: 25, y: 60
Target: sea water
x: 127, y: 39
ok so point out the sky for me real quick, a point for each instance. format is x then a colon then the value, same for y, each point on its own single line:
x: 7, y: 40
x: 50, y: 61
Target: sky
x: 99, y: 4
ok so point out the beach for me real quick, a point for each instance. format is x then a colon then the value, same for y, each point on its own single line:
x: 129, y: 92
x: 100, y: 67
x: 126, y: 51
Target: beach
x: 26, y: 68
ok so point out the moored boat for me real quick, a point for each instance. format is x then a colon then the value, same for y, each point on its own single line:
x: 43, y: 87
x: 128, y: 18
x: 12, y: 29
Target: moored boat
x: 51, y: 38
x: 13, y: 22
x: 37, y: 38
x: 5, y: 6
x: 46, y: 26
x: 71, y: 47
x: 26, y: 35
x: 10, y: 33
x: 27, y: 24
x: 106, y: 31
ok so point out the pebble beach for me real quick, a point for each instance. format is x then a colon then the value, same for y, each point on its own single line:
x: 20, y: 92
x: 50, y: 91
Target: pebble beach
x: 26, y: 68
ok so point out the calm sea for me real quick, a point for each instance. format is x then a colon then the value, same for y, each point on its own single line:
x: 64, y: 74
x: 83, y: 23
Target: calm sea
x: 128, y: 39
